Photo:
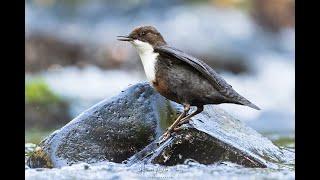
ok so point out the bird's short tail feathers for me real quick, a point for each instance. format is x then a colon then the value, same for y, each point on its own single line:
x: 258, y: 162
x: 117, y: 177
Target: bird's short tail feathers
x: 250, y: 104
x: 238, y: 99
x: 243, y: 101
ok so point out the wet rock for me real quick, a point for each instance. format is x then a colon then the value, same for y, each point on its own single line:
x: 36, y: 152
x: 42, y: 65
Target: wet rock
x: 40, y: 159
x: 214, y: 136
x: 112, y: 130
x: 125, y: 128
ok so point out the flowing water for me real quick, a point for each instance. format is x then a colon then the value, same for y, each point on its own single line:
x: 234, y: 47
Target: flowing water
x: 190, y: 170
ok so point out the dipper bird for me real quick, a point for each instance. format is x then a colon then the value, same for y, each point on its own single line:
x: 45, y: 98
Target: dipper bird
x: 180, y: 77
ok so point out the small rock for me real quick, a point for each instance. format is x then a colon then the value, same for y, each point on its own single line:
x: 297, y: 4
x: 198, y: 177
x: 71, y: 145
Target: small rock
x: 86, y: 166
x: 40, y: 159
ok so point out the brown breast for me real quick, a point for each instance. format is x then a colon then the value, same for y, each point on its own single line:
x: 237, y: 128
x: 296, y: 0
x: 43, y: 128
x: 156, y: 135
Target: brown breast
x: 163, y: 88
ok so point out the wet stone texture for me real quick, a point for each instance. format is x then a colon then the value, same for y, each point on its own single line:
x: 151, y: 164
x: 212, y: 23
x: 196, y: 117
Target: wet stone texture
x: 214, y: 136
x: 112, y: 130
x: 198, y: 146
x: 123, y: 129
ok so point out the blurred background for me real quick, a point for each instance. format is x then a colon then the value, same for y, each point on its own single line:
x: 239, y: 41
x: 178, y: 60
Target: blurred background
x: 73, y: 60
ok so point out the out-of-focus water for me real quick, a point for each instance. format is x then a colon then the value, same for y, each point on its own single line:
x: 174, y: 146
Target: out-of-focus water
x: 198, y: 28
x: 88, y: 86
x: 227, y: 30
x: 223, y: 32
x: 85, y: 87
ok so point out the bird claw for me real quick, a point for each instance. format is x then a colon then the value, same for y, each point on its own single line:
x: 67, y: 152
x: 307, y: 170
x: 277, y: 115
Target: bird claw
x: 167, y: 134
x: 184, y: 122
x: 177, y: 129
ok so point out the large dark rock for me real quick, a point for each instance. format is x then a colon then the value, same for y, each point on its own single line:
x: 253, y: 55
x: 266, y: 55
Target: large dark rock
x: 214, y: 136
x: 112, y: 130
x: 127, y: 125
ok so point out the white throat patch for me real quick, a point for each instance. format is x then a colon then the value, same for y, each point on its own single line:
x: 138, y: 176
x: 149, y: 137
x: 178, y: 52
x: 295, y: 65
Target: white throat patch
x: 148, y: 58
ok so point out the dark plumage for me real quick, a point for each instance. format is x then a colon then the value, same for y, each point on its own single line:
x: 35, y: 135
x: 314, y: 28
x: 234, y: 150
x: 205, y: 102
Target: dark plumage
x: 181, y: 77
x: 204, y: 85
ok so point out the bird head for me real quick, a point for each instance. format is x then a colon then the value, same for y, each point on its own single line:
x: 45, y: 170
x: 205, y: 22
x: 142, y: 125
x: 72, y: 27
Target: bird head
x: 143, y: 36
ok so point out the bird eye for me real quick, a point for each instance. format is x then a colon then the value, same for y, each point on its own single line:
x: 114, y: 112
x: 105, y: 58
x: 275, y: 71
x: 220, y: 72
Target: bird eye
x: 142, y: 33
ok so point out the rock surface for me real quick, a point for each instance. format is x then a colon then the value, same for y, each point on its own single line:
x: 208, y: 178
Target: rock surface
x: 214, y: 136
x: 112, y: 130
x: 127, y: 125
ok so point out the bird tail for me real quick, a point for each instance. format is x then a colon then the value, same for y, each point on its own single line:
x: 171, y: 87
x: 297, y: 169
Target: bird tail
x: 250, y: 104
x: 238, y: 99
x: 243, y: 101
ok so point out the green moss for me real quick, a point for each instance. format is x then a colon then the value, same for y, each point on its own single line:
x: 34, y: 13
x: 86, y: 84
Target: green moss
x: 35, y: 136
x: 37, y: 91
x: 284, y: 141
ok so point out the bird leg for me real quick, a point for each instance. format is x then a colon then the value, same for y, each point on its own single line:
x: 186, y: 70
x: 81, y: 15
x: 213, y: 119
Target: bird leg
x: 168, y: 132
x: 187, y: 118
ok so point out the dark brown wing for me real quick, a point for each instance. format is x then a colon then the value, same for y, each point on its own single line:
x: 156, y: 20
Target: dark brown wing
x: 217, y: 82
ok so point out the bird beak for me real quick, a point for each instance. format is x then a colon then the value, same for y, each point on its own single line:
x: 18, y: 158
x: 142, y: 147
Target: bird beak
x: 124, y: 38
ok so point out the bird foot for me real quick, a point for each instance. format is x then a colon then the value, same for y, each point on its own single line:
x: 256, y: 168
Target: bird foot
x: 184, y: 122
x: 167, y: 135
x: 177, y: 129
